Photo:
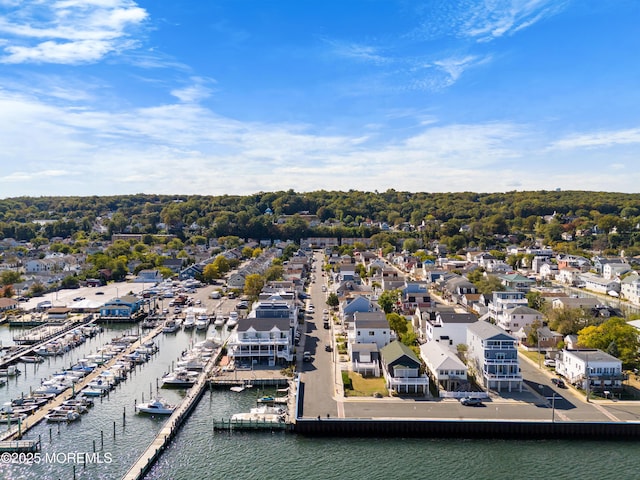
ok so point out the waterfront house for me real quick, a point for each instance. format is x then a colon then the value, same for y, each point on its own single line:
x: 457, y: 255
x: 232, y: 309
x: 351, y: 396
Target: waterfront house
x: 502, y: 302
x: 602, y: 371
x: 7, y: 304
x: 365, y: 358
x: 443, y: 366
x: 121, y: 309
x: 401, y: 368
x: 493, y: 354
x: 265, y: 341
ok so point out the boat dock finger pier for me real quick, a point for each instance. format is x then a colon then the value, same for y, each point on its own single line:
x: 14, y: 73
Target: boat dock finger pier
x: 173, y: 424
x: 22, y: 427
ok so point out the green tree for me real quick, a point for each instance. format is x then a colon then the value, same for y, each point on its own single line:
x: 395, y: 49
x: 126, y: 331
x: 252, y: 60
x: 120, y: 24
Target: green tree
x: 388, y: 300
x: 210, y: 273
x: 253, y: 285
x: 9, y: 277
x: 398, y: 323
x: 332, y: 300
x: 614, y: 334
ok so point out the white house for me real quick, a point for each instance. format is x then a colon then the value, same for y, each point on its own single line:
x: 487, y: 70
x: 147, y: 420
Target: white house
x: 604, y: 371
x: 369, y: 327
x: 261, y: 340
x: 444, y: 366
x: 494, y: 356
x: 449, y: 328
x: 516, y: 318
x: 630, y: 288
x: 501, y: 302
x: 599, y: 284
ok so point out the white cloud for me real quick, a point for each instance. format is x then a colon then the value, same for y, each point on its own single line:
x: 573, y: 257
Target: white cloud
x: 599, y: 139
x: 198, y: 90
x: 68, y: 32
x: 360, y: 52
x: 496, y: 18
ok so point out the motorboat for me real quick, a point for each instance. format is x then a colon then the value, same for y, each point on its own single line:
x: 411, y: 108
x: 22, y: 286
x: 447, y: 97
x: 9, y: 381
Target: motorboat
x: 100, y: 384
x: 263, y: 414
x: 189, y: 321
x: 233, y: 320
x: 85, y: 365
x: 202, y: 322
x: 11, y: 417
x: 79, y: 402
x: 31, y: 359
x: 92, y: 392
x: 192, y: 362
x: 219, y: 321
x: 180, y: 378
x: 170, y: 326
x: 62, y: 416
x: 71, y: 408
x: 156, y: 407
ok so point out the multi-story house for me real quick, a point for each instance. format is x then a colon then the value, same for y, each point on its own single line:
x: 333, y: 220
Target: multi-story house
x: 502, y: 302
x: 444, y: 366
x: 630, y: 288
x: 493, y: 354
x: 592, y: 367
x: 369, y: 327
x: 519, y: 317
x: 447, y: 327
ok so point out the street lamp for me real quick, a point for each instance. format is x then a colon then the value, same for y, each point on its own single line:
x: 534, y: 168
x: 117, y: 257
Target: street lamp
x: 553, y: 408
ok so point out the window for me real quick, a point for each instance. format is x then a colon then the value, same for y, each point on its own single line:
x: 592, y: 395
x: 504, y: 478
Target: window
x: 371, y: 333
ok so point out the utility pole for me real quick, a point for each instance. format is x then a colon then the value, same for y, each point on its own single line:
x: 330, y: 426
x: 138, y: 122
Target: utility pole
x: 587, y: 378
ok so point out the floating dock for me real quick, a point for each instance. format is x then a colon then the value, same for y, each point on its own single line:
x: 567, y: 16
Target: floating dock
x: 20, y: 446
x: 231, y: 425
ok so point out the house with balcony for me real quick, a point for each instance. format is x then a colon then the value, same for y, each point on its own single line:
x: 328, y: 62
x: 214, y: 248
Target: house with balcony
x: 502, y: 302
x: 401, y: 369
x: 261, y: 341
x: 493, y: 354
x: 415, y: 295
x: 592, y: 367
x: 443, y: 366
x: 516, y: 318
x: 516, y: 282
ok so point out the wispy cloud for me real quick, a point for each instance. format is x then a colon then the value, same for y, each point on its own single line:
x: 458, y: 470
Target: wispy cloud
x: 599, y: 139
x: 198, y: 90
x: 360, y: 52
x: 68, y: 31
x: 496, y: 18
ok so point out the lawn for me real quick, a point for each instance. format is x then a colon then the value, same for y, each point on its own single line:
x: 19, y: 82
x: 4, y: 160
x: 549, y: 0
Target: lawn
x: 365, y: 386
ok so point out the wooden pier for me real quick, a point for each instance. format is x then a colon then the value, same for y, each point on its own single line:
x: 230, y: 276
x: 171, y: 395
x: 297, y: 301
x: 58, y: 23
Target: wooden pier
x: 28, y: 348
x: 39, y: 415
x: 173, y: 424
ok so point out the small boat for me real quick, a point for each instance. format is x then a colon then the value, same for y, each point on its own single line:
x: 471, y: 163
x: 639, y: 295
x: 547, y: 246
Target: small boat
x: 233, y: 320
x: 170, y: 326
x: 31, y: 359
x: 189, y: 322
x: 11, y: 417
x: 202, y: 322
x: 180, y: 378
x: 237, y: 388
x: 219, y: 321
x: 156, y: 407
x: 62, y: 416
x: 92, y: 392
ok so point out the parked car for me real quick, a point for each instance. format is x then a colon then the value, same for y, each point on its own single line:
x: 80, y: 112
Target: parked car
x: 558, y: 382
x: 328, y: 348
x: 471, y: 402
x: 306, y: 357
x: 549, y: 362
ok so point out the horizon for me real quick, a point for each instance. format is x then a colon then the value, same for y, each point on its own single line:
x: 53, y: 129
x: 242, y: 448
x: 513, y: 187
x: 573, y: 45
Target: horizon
x: 119, y: 97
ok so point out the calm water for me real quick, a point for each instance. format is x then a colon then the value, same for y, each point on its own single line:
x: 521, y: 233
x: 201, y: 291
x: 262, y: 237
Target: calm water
x: 131, y: 438
x: 198, y: 452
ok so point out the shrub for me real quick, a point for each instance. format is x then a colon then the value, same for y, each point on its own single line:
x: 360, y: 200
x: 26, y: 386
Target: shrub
x: 346, y: 381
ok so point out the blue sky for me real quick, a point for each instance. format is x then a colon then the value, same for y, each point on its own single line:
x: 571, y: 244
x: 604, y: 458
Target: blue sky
x: 240, y: 96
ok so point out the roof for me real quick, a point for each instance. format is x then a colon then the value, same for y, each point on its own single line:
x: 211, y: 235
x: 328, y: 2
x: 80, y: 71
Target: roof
x: 364, y: 347
x: 522, y: 310
x: 454, y: 317
x: 439, y: 357
x: 486, y: 330
x: 396, y: 350
x: 370, y: 320
x: 592, y: 355
x: 263, y: 324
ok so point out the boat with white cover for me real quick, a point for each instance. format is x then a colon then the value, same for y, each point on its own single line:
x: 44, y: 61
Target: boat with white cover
x: 156, y: 407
